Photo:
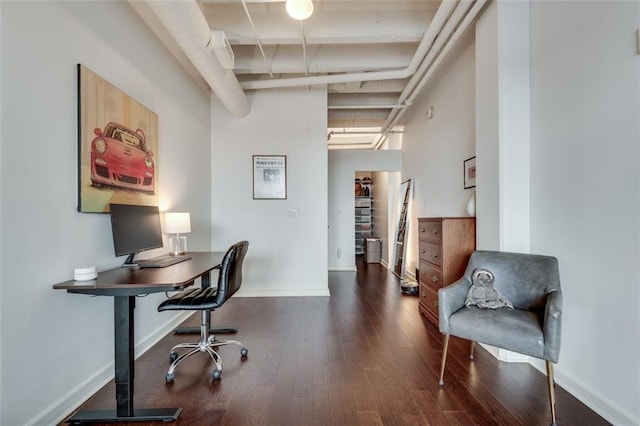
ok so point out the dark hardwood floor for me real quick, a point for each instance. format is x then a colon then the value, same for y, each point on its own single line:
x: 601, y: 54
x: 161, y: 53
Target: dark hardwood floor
x: 363, y: 356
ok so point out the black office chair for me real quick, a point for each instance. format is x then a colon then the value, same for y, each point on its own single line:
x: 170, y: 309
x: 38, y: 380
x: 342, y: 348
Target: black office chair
x: 207, y: 300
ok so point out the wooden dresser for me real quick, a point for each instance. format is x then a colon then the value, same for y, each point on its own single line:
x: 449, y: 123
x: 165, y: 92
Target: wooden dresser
x: 445, y: 244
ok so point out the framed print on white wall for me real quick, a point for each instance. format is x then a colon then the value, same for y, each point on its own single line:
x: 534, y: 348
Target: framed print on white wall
x: 269, y: 177
x: 470, y: 173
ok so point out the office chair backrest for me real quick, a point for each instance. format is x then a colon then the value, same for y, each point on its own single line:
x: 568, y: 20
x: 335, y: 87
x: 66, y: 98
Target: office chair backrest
x: 230, y: 277
x: 525, y: 279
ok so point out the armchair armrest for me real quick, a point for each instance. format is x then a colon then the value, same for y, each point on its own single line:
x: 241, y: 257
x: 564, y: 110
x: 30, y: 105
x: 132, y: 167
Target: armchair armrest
x: 551, y: 326
x: 451, y: 299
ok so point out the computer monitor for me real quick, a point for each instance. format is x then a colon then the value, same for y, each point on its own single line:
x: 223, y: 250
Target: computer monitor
x: 135, y: 229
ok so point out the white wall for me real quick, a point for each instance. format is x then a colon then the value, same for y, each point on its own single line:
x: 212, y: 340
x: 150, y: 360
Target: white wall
x: 57, y: 348
x: 582, y: 192
x: 1, y: 227
x: 287, y: 238
x: 502, y: 126
x: 585, y: 192
x: 434, y: 149
x: 487, y: 132
x: 343, y: 165
x: 503, y: 132
x: 381, y: 213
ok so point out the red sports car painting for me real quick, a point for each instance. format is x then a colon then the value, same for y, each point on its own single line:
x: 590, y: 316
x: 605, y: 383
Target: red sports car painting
x: 117, y: 147
x: 120, y: 158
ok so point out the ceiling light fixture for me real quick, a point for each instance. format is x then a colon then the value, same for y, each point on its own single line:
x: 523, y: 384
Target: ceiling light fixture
x: 299, y: 9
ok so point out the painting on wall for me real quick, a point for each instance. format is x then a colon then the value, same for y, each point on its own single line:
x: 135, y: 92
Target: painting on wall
x: 470, y: 173
x: 117, y: 147
x: 269, y: 177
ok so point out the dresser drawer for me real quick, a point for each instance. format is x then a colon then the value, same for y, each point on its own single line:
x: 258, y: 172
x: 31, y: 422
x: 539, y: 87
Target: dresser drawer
x: 429, y: 301
x: 431, y: 252
x: 430, y: 231
x: 430, y: 275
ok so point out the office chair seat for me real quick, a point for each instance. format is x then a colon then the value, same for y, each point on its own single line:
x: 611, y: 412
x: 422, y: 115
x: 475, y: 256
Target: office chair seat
x: 207, y: 300
x: 195, y: 299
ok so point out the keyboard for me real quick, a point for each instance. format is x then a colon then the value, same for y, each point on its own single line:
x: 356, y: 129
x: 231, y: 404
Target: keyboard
x: 161, y: 261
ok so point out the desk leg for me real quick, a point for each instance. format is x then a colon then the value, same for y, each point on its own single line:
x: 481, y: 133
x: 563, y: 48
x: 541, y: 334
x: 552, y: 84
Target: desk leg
x: 124, y: 354
x: 124, y: 375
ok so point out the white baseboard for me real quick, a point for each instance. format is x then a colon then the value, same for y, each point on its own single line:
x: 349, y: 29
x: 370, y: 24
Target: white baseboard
x: 505, y: 355
x: 336, y: 268
x: 411, y: 275
x: 60, y: 409
x: 606, y: 408
x: 599, y: 403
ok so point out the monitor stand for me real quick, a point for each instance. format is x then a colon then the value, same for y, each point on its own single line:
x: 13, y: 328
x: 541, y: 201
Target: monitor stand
x: 129, y: 263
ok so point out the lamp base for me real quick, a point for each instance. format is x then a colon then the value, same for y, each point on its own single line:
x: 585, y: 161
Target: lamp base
x: 177, y: 245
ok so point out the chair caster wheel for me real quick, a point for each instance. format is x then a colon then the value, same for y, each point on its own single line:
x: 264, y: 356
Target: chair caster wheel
x: 216, y: 374
x: 169, y: 377
x: 173, y: 355
x: 244, y: 352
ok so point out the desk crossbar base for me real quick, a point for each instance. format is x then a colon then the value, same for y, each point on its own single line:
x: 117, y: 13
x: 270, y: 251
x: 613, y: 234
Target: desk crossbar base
x: 213, y: 330
x: 110, y: 416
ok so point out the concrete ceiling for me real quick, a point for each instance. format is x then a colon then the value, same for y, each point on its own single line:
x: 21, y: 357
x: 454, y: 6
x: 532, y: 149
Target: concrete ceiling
x: 373, y: 55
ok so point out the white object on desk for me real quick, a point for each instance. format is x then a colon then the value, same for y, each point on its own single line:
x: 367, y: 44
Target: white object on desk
x: 85, y: 274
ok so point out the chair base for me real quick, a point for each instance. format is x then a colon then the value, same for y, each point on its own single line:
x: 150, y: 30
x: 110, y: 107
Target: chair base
x: 212, y: 330
x: 206, y: 344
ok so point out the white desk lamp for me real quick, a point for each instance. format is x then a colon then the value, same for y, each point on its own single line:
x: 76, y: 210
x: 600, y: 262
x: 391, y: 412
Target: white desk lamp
x: 177, y: 223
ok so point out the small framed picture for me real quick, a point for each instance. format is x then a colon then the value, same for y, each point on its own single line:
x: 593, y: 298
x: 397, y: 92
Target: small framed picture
x: 269, y: 177
x: 470, y: 173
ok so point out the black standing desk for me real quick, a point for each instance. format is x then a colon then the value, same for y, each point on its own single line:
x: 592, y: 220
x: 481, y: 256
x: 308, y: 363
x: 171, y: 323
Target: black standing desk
x: 124, y: 284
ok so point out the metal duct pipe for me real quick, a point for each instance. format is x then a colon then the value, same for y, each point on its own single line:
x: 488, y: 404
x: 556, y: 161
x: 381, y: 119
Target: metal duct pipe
x: 434, y: 54
x: 390, y: 106
x: 356, y: 132
x: 440, y: 18
x: 464, y: 25
x: 187, y: 25
x: 471, y: 16
x: 258, y: 41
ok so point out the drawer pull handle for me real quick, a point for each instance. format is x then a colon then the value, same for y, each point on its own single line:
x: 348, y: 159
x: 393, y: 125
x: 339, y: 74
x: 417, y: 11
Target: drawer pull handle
x: 434, y: 254
x: 434, y: 278
x: 434, y: 231
x: 423, y: 251
x: 435, y: 304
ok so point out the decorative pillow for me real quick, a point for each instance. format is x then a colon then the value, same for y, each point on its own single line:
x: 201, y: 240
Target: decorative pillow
x: 482, y: 294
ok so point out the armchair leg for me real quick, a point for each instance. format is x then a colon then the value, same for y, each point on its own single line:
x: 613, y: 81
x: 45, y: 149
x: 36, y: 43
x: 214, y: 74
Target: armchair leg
x: 473, y: 345
x: 552, y: 393
x: 445, y: 346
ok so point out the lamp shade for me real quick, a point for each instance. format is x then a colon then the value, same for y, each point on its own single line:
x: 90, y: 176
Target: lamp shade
x: 177, y: 222
x: 299, y: 9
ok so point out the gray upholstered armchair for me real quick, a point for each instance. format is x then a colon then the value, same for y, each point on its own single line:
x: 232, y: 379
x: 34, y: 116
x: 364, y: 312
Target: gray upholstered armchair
x: 532, y: 284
